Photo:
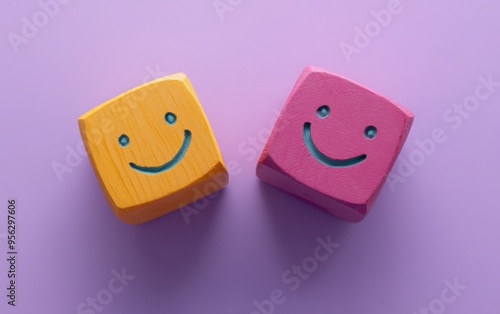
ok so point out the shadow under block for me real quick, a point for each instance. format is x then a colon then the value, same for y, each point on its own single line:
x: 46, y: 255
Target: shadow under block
x: 334, y: 144
x: 153, y: 150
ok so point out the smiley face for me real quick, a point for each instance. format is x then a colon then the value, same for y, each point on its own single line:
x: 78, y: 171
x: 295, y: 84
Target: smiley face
x: 170, y: 119
x: 323, y: 112
x: 334, y: 143
x: 153, y: 149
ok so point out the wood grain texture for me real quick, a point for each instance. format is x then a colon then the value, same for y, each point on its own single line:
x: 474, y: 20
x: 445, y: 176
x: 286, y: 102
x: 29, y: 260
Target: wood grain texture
x: 334, y: 144
x: 153, y: 150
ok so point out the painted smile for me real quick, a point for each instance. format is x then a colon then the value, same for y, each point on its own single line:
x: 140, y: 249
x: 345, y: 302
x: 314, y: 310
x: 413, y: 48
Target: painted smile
x: 335, y: 163
x: 170, y: 164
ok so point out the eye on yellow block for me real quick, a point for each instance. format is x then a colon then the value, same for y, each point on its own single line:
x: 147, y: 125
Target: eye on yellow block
x: 153, y: 150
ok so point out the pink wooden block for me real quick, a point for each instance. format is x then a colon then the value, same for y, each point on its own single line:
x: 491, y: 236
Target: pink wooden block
x: 334, y: 144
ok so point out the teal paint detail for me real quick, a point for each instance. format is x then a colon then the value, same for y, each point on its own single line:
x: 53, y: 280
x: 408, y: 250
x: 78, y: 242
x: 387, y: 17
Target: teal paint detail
x: 170, y: 118
x: 124, y: 140
x: 170, y: 164
x: 335, y: 163
x: 371, y: 132
x: 323, y: 112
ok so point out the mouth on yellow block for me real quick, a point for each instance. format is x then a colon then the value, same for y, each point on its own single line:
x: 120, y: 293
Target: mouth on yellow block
x: 169, y: 164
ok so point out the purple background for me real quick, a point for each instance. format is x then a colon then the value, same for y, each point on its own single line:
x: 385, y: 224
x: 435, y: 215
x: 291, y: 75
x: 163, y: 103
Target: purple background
x: 441, y: 223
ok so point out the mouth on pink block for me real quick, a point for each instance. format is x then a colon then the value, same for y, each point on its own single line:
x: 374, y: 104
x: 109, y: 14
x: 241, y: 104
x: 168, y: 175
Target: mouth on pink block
x: 324, y: 159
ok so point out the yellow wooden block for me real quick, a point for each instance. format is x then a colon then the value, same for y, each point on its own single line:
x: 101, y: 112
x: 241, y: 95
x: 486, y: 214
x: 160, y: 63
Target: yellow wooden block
x: 153, y: 150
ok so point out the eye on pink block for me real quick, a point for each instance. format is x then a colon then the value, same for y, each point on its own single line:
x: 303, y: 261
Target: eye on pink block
x: 334, y: 144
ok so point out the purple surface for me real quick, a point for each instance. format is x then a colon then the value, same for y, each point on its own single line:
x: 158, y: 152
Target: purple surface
x: 438, y: 226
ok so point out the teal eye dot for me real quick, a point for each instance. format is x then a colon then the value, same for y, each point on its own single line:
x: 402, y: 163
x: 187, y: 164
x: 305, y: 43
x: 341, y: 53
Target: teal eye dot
x: 124, y: 140
x: 170, y: 118
x: 371, y: 132
x: 323, y: 112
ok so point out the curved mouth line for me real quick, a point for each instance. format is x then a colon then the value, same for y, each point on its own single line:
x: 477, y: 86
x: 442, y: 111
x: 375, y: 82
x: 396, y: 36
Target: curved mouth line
x: 170, y: 164
x: 335, y: 163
